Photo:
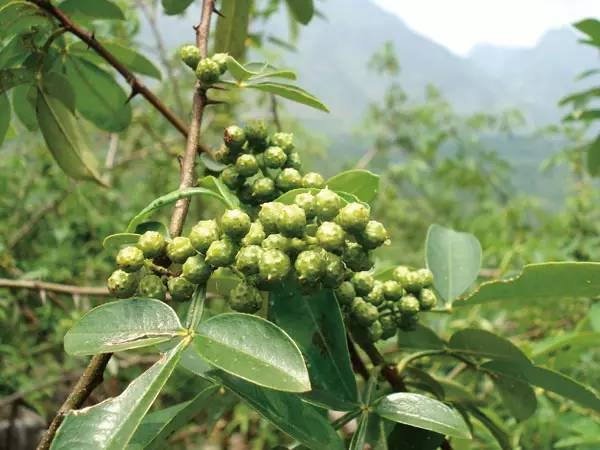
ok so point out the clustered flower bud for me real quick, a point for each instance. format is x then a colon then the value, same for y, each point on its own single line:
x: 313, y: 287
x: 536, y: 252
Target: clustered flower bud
x: 208, y: 70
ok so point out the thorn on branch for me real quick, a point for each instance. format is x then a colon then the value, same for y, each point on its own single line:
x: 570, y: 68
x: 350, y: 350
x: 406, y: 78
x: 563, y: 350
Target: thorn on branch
x: 217, y: 12
x: 214, y: 102
x: 134, y: 91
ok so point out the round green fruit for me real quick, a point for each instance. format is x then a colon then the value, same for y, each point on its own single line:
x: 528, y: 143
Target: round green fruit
x: 425, y: 277
x: 220, y: 253
x: 203, y: 234
x: 331, y: 236
x: 374, y: 235
x: 427, y: 299
x: 180, y: 249
x: 269, y: 216
x: 276, y: 241
x: 288, y: 179
x: 388, y: 326
x: 375, y: 331
x: 274, y: 265
x: 392, y: 290
x: 151, y: 286
x: 363, y: 282
x: 356, y: 258
x: 231, y: 177
x: 400, y: 273
x: 327, y: 204
x: 353, y: 217
x: 180, y: 289
x: 130, y: 259
x: 122, y: 284
x: 196, y: 270
x: 345, y: 293
x: 294, y: 161
x: 313, y: 180
x: 283, y: 140
x: 256, y: 234
x: 152, y: 244
x: 274, y: 157
x: 376, y: 296
x: 413, y: 282
x: 190, y: 55
x: 306, y: 201
x: 309, y: 266
x: 334, y: 272
x: 263, y: 189
x: 248, y: 258
x: 363, y: 313
x: 256, y: 134
x: 246, y: 165
x: 208, y: 71
x: 292, y: 220
x: 221, y: 60
x: 409, y: 305
x: 235, y: 223
x: 234, y: 137
x: 245, y: 298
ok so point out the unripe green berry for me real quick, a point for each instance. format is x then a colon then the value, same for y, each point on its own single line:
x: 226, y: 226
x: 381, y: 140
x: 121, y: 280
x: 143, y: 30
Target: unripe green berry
x: 425, y: 277
x: 400, y: 273
x: 345, y: 293
x: 374, y: 235
x: 122, y: 284
x: 276, y: 241
x: 231, y: 177
x: 248, y: 259
x: 246, y: 165
x: 334, y: 272
x: 356, y: 258
x: 235, y: 223
x: 363, y: 313
x: 203, y: 234
x: 180, y: 289
x: 256, y: 234
x: 208, y: 71
x: 313, y: 180
x: 196, y: 270
x: 388, y: 326
x: 409, y: 304
x: 263, y: 189
x: 363, y: 282
x: 245, y: 298
x: 353, y: 217
x: 256, y: 134
x: 151, y: 286
x: 221, y: 60
x: 180, y: 249
x: 223, y: 155
x: 427, y: 299
x: 130, y: 259
x: 376, y: 296
x: 269, y: 216
x: 190, y: 55
x: 152, y: 244
x: 331, y: 236
x: 283, y: 140
x: 294, y: 161
x: 306, y: 201
x: 309, y: 266
x: 412, y: 282
x: 375, y: 331
x: 274, y: 265
x: 234, y: 137
x: 288, y: 179
x: 327, y: 204
x: 392, y: 290
x: 292, y: 220
x: 220, y: 253
x: 274, y: 157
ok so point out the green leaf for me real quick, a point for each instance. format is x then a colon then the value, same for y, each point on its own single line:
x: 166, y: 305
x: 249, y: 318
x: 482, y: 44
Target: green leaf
x: 423, y: 381
x: 118, y: 240
x: 290, y: 92
x: 158, y: 426
x: 211, y: 164
x: 360, y: 435
x: 238, y: 71
x: 406, y: 437
x: 63, y: 137
x: 167, y: 199
x: 518, y: 397
x: 24, y: 99
x: 215, y: 185
x: 254, y: 349
x: 302, y: 10
x: 493, y: 426
x: 545, y: 282
x: 457, y: 393
x: 547, y: 379
x: 110, y: 425
x: 483, y: 344
x: 232, y: 27
x: 454, y: 258
x: 289, y: 197
x: 581, y: 98
x: 173, y: 7
x: 591, y: 27
x: 423, y: 412
x: 10, y: 78
x: 20, y: 16
x: 594, y: 315
x: 361, y: 183
x: 577, y: 442
x: 315, y: 323
x: 96, y: 9
x: 422, y: 338
x: 222, y: 281
x: 568, y: 342
x: 123, y: 325
x: 99, y: 98
x: 152, y: 225
x: 593, y: 158
x: 133, y: 60
x: 287, y: 412
x: 4, y: 116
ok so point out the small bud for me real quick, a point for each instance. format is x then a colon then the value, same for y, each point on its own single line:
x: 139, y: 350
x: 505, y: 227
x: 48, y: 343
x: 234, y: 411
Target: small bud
x: 235, y: 223
x: 208, y: 71
x: 283, y: 140
x: 245, y: 298
x: 152, y: 244
x: 363, y: 282
x: 274, y: 266
x: 345, y: 293
x: 151, y: 286
x: 263, y: 189
x: 248, y: 259
x: 203, y: 234
x: 234, y: 137
x: 274, y: 157
x: 255, y: 235
x: 327, y: 204
x: 288, y: 179
x: 269, y: 216
x: 313, y: 180
x: 246, y: 165
x: 180, y: 249
x: 309, y: 266
x: 221, y: 60
x: 180, y: 289
x: 122, y: 284
x: 292, y: 220
x: 353, y: 217
x: 130, y: 259
x: 221, y: 253
x: 190, y: 55
x: 196, y: 270
x: 306, y: 201
x: 374, y: 235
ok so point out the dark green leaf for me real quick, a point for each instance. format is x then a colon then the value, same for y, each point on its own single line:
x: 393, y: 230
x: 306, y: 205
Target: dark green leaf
x: 254, y: 349
x: 568, y: 342
x: 361, y: 183
x: 4, y: 116
x: 211, y: 164
x: 167, y: 199
x: 578, y: 442
x: 232, y: 27
x: 483, y: 344
x: 406, y: 437
x: 581, y: 98
x: 422, y: 380
x: 289, y: 92
x: 23, y: 100
x: 456, y: 393
x: 118, y: 240
x: 454, y: 258
x: 422, y: 338
x: 518, y: 397
x: 423, y: 412
x: 99, y: 98
x: 173, y: 7
x: 110, y: 425
x: 302, y: 10
x: 10, y: 78
x: 222, y: 281
x: 289, y: 197
x: 151, y: 225
x: 123, y: 325
x: 315, y: 323
x: 493, y: 426
x: 215, y: 185
x: 360, y: 435
x: 591, y: 27
x: 96, y: 9
x: 546, y: 282
x: 593, y: 157
x: 20, y: 16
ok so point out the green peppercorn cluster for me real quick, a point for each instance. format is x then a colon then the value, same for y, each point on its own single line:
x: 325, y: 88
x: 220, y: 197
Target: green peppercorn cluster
x: 208, y: 70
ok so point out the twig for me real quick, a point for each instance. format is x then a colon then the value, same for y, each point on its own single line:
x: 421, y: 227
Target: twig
x: 54, y: 287
x: 364, y: 161
x: 275, y: 112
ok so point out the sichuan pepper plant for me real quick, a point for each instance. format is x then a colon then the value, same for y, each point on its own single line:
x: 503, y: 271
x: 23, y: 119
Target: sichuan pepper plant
x: 294, y: 254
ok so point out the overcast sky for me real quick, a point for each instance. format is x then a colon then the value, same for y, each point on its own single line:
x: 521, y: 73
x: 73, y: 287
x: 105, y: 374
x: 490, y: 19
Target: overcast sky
x: 461, y: 24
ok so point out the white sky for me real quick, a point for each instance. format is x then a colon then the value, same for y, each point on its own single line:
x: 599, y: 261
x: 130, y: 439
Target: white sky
x: 461, y: 24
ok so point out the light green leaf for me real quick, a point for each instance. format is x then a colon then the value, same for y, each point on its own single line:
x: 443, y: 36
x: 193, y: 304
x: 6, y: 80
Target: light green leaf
x: 99, y: 98
x: 591, y: 27
x: 578, y: 442
x: 152, y: 225
x: 315, y: 323
x: 361, y: 183
x: 275, y: 73
x: 545, y: 282
x: 483, y: 344
x: 4, y: 116
x: 118, y: 240
x: 238, y: 71
x: 20, y: 16
x: 594, y: 315
x: 289, y: 196
x: 173, y: 7
x: 96, y: 9
x: 423, y: 412
x: 167, y: 199
x: 547, y: 379
x: 290, y: 92
x: 123, y: 325
x: 593, y: 157
x: 110, y: 425
x: 222, y: 281
x: 518, y: 397
x: 10, y: 78
x: 215, y: 185
x: 302, y: 10
x: 454, y: 258
x: 569, y: 342
x: 253, y: 349
x: 63, y: 137
x: 493, y: 427
x: 158, y: 426
x: 211, y: 164
x: 232, y: 27
x: 24, y: 99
